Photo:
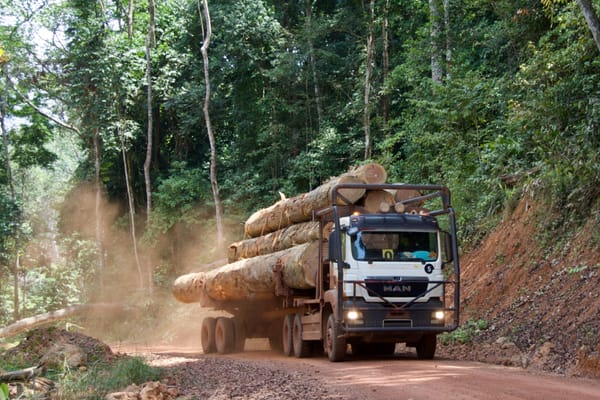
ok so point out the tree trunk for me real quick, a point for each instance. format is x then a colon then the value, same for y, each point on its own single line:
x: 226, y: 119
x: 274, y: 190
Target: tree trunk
x: 32, y: 322
x: 368, y: 72
x: 435, y: 33
x: 276, y: 241
x: 250, y: 278
x: 98, y: 211
x: 592, y: 19
x: 151, y: 23
x: 313, y: 66
x: 385, y: 67
x: 448, y: 40
x: 130, y: 204
x: 130, y: 20
x: 207, y: 32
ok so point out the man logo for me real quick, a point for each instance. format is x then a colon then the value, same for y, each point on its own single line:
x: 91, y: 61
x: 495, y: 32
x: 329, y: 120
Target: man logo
x: 388, y: 254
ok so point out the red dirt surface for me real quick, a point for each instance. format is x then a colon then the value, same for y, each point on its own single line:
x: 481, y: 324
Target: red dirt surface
x: 539, y: 297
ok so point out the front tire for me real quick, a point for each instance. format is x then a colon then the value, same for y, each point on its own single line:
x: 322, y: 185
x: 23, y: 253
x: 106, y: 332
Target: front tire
x: 207, y: 335
x: 335, y: 343
x: 426, y: 347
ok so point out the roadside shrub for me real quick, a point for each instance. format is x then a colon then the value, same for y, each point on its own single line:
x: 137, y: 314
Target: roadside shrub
x: 465, y: 333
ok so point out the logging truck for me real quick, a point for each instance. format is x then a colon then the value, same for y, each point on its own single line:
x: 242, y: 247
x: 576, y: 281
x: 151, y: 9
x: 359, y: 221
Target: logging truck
x: 375, y: 278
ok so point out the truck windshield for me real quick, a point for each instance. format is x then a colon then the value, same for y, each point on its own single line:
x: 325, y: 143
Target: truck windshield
x: 395, y: 246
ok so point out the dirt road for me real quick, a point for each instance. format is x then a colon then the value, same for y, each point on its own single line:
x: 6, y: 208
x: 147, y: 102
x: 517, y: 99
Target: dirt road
x: 263, y: 374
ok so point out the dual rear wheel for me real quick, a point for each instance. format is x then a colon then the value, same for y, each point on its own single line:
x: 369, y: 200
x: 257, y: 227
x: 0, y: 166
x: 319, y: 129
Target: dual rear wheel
x: 222, y: 335
x: 292, y: 341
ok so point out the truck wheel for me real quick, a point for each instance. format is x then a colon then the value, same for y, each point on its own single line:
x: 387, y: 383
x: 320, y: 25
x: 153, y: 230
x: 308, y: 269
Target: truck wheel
x: 207, y: 335
x: 224, y: 335
x: 426, y: 347
x: 335, y: 344
x: 302, y: 348
x: 286, y: 334
x: 240, y: 334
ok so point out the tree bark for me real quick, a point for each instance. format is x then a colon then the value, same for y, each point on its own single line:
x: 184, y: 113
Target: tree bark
x: 250, y: 278
x: 22, y: 375
x: 130, y: 204
x: 591, y: 18
x: 300, y: 208
x: 385, y: 67
x: 313, y: 66
x: 207, y: 32
x: 435, y: 33
x: 151, y: 33
x: 130, y: 9
x: 448, y: 40
x: 98, y: 210
x: 282, y: 239
x: 368, y: 83
x: 26, y: 324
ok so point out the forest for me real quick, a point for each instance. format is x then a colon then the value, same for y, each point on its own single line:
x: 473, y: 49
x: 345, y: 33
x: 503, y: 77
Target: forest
x: 137, y: 136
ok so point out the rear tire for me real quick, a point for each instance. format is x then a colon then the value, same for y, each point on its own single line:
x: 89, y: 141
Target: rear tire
x: 286, y: 335
x: 224, y: 335
x: 335, y: 344
x: 240, y: 335
x: 207, y: 335
x: 302, y: 348
x: 426, y: 347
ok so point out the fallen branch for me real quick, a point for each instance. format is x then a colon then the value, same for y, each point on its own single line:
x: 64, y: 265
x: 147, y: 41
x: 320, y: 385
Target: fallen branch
x: 26, y: 324
x: 22, y: 375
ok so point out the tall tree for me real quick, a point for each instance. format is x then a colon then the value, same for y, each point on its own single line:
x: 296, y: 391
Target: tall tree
x: 435, y: 34
x: 592, y: 19
x: 205, y: 22
x: 313, y: 63
x: 368, y: 79
x: 385, y: 67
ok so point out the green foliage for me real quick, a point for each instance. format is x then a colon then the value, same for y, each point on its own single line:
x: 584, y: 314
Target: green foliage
x: 99, y: 379
x: 3, y: 391
x: 465, y: 333
x: 179, y: 197
x: 520, y: 98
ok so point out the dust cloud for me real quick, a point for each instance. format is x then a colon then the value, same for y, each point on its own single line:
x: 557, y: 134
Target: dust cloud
x: 150, y: 315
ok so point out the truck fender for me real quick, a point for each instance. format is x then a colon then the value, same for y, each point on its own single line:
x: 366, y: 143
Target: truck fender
x: 330, y: 297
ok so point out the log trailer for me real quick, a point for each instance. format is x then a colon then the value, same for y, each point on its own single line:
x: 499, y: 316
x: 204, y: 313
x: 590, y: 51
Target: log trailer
x: 382, y: 278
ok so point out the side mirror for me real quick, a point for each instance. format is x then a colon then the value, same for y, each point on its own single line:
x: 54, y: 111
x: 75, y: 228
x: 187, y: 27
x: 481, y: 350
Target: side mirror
x: 448, y: 247
x: 333, y: 251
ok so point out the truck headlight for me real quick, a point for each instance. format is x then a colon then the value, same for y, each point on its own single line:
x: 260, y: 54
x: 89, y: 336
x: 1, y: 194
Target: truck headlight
x: 437, y: 317
x: 354, y: 317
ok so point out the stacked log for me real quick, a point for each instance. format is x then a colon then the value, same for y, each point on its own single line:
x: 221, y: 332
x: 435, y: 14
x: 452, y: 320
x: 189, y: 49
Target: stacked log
x: 283, y: 234
x: 300, y: 208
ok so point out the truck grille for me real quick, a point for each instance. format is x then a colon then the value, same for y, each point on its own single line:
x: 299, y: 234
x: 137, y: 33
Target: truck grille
x: 397, y: 287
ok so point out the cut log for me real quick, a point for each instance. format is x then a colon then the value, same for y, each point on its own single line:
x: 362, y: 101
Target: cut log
x: 276, y: 241
x: 250, y: 278
x: 378, y: 201
x: 370, y: 173
x: 53, y: 316
x: 300, y: 208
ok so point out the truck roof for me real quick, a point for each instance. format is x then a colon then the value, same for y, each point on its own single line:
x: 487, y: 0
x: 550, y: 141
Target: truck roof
x: 394, y: 221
